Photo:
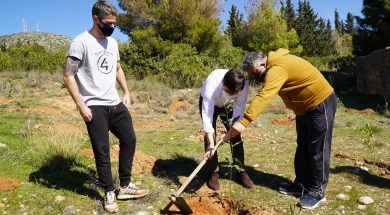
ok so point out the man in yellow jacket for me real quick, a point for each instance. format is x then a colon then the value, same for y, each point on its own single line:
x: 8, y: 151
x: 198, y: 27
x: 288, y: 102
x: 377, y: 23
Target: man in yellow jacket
x: 305, y: 91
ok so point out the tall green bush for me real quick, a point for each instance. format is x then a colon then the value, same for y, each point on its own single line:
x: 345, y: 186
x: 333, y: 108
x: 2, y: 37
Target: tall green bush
x: 32, y: 57
x: 178, y: 65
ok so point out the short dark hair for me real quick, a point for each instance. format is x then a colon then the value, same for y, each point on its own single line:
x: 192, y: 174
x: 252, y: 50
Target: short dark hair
x: 234, y: 80
x: 103, y: 8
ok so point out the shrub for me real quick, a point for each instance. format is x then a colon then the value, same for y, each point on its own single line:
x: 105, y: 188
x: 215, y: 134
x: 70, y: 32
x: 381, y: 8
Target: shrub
x: 322, y: 63
x: 344, y: 64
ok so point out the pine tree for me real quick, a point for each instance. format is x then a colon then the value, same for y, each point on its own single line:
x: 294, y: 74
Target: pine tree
x: 337, y: 22
x: 373, y: 30
x: 350, y: 24
x: 329, y: 37
x: 342, y: 29
x: 306, y: 26
x: 289, y: 15
x: 234, y: 22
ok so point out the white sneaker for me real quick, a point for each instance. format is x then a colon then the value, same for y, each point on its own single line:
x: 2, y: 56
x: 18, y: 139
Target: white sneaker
x: 110, y: 204
x: 131, y: 192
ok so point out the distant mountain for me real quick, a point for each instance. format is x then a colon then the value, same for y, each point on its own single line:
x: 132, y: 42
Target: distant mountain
x: 48, y: 40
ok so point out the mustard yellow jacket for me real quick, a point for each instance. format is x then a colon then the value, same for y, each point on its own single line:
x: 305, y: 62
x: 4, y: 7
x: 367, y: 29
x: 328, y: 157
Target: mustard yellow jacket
x: 300, y: 85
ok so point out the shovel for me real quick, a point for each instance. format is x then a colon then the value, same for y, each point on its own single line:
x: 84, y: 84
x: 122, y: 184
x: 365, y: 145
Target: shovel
x: 175, y: 197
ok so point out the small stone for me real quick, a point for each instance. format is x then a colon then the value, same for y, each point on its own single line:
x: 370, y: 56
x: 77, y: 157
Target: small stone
x: 342, y: 207
x: 171, y: 138
x: 366, y: 200
x: 362, y: 207
x: 363, y: 168
x: 2, y: 145
x: 4, y: 199
x: 142, y: 213
x: 256, y: 165
x: 347, y: 188
x: 22, y: 205
x: 2, y: 205
x: 342, y: 196
x: 59, y: 199
x: 70, y: 210
x: 273, y: 142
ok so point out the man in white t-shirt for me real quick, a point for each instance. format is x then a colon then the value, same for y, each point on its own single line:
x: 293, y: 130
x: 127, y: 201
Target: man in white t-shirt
x: 224, y: 94
x: 91, y: 71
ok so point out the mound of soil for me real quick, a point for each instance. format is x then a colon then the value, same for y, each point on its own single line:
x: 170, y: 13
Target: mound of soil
x: 199, y: 135
x: 66, y: 128
x: 7, y: 184
x: 284, y: 121
x: 351, y: 110
x: 40, y: 110
x: 367, y: 111
x: 382, y: 167
x: 176, y: 104
x: 214, y: 204
x: 142, y: 163
x: 152, y: 123
x: 6, y: 100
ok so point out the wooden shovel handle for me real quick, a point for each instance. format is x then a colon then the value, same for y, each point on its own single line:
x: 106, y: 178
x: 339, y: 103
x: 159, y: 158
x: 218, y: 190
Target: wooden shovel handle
x: 197, y: 169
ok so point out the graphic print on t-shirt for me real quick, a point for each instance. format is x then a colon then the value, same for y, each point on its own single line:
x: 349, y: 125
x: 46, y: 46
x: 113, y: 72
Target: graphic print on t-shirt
x: 105, y: 62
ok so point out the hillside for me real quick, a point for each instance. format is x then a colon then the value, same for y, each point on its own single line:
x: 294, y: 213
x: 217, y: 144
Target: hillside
x: 48, y: 40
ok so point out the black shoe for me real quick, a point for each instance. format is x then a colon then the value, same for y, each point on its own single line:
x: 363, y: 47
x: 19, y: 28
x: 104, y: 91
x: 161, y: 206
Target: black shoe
x: 213, y: 183
x: 312, y: 199
x: 293, y: 189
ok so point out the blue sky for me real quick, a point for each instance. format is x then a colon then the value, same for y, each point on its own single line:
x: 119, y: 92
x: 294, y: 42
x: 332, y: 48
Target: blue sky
x: 71, y: 17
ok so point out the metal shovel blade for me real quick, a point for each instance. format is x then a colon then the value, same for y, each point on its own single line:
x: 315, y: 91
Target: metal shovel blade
x: 180, y: 203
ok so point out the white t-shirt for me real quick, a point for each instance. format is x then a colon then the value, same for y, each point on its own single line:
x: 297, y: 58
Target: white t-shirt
x: 96, y: 77
x: 212, y: 96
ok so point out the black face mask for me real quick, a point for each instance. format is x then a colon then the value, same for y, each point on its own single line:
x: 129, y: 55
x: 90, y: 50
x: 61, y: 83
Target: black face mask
x: 106, y: 29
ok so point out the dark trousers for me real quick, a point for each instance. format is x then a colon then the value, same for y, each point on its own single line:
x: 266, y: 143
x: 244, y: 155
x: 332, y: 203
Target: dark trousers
x: 236, y: 144
x: 312, y: 157
x: 116, y: 119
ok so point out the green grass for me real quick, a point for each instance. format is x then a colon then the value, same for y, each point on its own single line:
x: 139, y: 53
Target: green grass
x: 48, y: 163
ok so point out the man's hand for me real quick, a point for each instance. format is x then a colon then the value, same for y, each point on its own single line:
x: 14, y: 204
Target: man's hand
x: 86, y: 113
x: 126, y: 99
x: 210, y: 151
x: 210, y: 141
x: 235, y: 130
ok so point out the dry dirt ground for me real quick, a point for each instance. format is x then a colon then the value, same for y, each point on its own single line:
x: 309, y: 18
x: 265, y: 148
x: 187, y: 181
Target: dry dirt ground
x: 204, y: 201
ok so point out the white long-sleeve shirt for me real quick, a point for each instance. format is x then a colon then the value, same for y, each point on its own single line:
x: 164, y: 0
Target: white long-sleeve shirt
x: 212, y: 96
